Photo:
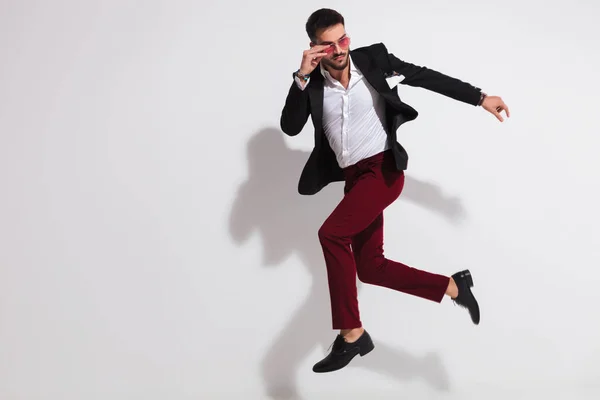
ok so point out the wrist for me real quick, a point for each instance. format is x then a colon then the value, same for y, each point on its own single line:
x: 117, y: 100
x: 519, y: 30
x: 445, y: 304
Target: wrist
x: 303, y: 76
x: 482, y: 98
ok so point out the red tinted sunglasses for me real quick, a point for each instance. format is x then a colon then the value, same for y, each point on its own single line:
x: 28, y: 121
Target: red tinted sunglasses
x: 343, y: 43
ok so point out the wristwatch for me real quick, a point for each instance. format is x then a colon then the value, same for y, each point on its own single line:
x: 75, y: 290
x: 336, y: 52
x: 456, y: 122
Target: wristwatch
x: 300, y: 75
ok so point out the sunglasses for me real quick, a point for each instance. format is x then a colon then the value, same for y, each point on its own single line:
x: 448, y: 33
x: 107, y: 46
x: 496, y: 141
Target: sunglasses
x: 343, y: 43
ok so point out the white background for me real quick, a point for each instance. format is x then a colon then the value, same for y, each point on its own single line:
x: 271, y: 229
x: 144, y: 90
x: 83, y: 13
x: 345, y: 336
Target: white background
x: 153, y: 244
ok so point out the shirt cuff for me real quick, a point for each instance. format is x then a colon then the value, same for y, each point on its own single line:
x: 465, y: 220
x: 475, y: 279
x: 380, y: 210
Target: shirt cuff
x: 301, y: 86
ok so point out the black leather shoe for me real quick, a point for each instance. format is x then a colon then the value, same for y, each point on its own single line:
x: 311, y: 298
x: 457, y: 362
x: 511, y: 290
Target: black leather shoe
x: 342, y: 353
x: 465, y: 297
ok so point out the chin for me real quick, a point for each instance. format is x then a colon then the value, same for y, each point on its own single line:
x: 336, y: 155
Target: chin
x: 335, y: 65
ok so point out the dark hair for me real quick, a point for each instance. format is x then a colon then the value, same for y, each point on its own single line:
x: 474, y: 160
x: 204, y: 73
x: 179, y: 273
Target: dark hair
x: 321, y: 19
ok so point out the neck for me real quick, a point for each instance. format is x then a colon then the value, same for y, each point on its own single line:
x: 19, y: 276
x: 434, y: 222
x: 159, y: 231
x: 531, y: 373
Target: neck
x: 338, y: 74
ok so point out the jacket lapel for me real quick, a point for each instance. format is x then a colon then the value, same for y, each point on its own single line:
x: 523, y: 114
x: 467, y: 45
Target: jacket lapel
x: 373, y: 74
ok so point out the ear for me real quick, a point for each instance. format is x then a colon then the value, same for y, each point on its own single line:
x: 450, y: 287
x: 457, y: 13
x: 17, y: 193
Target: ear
x: 311, y: 44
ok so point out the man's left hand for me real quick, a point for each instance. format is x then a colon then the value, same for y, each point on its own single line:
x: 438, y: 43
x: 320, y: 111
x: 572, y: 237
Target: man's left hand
x: 495, y: 105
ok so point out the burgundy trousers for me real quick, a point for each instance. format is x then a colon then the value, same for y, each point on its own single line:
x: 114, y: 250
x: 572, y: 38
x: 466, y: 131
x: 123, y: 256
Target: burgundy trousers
x: 352, y: 242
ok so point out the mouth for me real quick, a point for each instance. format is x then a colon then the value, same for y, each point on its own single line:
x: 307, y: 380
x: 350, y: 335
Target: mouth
x: 338, y: 58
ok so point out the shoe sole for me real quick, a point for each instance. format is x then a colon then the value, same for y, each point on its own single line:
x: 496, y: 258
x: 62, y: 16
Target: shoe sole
x: 469, y: 281
x: 362, y: 353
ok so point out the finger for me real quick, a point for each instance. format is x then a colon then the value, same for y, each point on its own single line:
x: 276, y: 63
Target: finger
x: 311, y: 54
x: 504, y: 108
x: 497, y: 114
x: 318, y: 48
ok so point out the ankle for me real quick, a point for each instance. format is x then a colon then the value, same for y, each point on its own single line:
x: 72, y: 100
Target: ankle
x: 351, y: 335
x: 452, y: 289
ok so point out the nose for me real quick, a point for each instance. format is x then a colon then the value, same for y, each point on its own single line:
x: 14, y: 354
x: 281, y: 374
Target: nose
x: 337, y: 48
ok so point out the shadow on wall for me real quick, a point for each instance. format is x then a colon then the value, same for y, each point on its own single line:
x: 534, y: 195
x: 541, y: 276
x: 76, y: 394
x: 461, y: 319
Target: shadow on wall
x: 288, y: 223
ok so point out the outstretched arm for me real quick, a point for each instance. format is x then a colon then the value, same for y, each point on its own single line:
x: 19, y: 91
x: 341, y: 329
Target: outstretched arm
x: 418, y: 76
x: 423, y: 77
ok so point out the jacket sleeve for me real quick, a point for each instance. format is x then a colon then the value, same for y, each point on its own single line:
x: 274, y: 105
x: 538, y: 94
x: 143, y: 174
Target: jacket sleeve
x: 423, y: 77
x: 295, y: 111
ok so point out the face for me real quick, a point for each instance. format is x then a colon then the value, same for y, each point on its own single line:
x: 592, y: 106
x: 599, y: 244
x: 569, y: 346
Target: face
x: 339, y: 46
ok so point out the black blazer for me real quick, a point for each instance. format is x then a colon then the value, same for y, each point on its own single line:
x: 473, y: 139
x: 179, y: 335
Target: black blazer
x: 376, y: 64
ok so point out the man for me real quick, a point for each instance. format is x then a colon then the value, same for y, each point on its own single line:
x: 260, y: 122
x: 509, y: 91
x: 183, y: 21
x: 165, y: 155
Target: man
x: 352, y: 98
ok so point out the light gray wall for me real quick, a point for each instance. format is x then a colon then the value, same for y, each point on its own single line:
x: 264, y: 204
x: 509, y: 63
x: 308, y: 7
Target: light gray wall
x: 153, y: 245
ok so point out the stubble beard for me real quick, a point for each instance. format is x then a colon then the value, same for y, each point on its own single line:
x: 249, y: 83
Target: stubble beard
x: 334, y: 65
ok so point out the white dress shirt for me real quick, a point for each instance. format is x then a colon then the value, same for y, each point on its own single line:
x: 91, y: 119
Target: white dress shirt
x: 353, y: 118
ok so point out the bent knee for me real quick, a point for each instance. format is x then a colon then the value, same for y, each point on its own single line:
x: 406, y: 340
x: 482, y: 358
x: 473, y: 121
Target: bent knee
x: 370, y: 270
x: 329, y: 232
x: 365, y: 276
x: 325, y: 232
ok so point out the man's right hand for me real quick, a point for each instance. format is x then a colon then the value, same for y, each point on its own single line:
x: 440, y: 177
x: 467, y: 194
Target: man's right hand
x: 311, y: 58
